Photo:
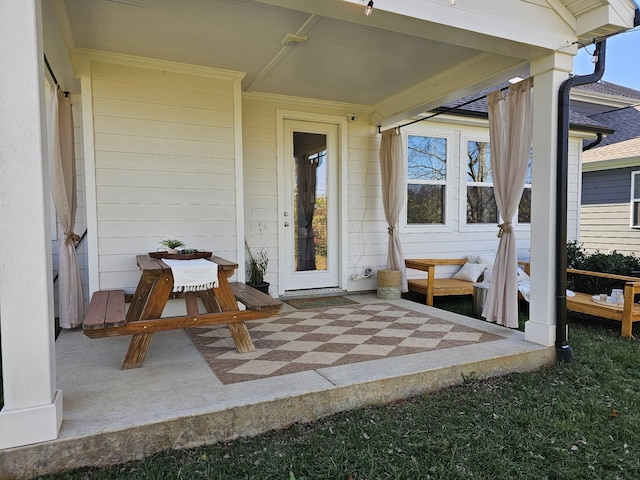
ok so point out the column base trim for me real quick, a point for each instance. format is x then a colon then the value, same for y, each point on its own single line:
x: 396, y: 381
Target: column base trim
x: 31, y: 425
x: 540, y: 333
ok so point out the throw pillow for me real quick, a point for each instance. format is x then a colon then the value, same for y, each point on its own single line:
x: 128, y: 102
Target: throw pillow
x: 487, y: 258
x: 470, y: 272
x: 487, y: 275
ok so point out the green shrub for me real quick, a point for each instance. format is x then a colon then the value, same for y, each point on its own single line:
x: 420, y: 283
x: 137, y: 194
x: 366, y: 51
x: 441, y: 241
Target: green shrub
x: 614, y: 262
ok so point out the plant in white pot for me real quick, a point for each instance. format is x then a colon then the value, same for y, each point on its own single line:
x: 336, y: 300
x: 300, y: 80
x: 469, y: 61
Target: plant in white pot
x: 172, y: 245
x: 257, y: 268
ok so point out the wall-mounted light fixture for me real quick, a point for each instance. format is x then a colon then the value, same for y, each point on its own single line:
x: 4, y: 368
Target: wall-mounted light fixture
x: 369, y: 8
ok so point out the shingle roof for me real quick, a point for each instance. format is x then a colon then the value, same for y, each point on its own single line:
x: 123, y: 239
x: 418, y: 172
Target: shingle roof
x: 612, y: 89
x: 624, y: 142
x: 479, y: 108
x: 622, y: 126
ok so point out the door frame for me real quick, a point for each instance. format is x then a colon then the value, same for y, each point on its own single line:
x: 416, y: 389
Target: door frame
x: 341, y: 194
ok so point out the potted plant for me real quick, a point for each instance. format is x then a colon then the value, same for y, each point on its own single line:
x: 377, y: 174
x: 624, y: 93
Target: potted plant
x: 257, y: 268
x: 172, y: 245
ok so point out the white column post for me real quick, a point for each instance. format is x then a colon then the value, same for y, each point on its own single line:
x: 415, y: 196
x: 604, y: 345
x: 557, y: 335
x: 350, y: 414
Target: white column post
x: 32, y: 409
x: 549, y: 73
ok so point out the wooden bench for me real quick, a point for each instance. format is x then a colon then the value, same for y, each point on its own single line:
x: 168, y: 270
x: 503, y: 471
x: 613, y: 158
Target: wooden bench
x: 254, y: 299
x: 433, y: 286
x: 106, y: 310
x: 627, y: 314
x: 106, y: 315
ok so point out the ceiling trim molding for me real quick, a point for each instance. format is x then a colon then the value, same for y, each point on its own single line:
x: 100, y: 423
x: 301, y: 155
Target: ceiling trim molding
x: 81, y: 56
x: 64, y: 23
x: 307, y: 102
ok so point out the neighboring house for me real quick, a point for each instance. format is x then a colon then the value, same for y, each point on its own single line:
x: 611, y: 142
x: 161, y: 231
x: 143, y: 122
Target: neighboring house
x: 201, y: 120
x: 610, y: 207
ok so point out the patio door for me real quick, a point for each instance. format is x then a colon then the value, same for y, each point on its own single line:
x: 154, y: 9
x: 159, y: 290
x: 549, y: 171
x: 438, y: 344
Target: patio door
x: 309, y: 244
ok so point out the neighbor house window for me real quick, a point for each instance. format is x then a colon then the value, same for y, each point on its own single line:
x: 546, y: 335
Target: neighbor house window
x: 481, y: 202
x: 426, y: 179
x: 635, y: 199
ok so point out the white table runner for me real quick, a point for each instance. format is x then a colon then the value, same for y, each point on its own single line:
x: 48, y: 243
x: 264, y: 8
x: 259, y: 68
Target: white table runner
x: 193, y: 275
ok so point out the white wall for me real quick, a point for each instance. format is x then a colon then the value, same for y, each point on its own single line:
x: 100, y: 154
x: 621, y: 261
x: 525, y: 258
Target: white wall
x: 366, y: 233
x: 164, y: 165
x: 366, y: 225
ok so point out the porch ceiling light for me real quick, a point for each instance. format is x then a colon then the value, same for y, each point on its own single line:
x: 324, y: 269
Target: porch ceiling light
x: 293, y: 40
x: 369, y: 8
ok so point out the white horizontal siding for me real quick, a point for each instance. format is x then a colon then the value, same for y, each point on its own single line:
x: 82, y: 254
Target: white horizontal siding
x: 367, y: 230
x: 606, y: 228
x: 164, y: 165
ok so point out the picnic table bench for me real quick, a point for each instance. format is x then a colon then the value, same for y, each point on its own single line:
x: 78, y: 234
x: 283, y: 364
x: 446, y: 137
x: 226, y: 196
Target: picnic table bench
x: 107, y: 315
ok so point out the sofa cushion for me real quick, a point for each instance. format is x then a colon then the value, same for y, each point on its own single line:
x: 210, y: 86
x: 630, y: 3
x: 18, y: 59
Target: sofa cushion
x: 470, y: 272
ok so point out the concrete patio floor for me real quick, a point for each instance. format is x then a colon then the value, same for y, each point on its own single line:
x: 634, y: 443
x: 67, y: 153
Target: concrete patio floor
x: 175, y: 400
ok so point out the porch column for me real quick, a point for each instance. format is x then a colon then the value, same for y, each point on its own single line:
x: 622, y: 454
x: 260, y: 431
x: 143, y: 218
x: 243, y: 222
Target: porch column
x: 32, y: 409
x: 549, y: 73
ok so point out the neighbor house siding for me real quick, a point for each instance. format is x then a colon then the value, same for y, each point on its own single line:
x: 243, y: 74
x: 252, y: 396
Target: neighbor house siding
x: 164, y: 165
x: 606, y: 212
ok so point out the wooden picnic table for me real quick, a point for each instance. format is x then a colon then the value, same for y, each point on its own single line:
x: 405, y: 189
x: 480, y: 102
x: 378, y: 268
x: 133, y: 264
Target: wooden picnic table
x: 106, y: 316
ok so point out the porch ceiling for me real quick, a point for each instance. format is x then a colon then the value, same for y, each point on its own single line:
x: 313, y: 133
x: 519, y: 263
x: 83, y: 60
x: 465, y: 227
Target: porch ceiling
x: 392, y: 63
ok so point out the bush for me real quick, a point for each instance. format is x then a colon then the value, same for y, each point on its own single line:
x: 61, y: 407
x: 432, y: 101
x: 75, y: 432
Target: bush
x: 615, y: 263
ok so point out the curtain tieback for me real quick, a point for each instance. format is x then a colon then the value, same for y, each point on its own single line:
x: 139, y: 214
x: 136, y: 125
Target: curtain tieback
x: 71, y: 237
x: 390, y: 230
x: 504, y: 228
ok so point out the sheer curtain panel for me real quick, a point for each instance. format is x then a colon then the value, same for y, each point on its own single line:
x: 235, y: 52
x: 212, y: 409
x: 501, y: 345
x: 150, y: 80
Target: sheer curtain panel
x: 62, y: 172
x: 510, y: 129
x: 391, y: 168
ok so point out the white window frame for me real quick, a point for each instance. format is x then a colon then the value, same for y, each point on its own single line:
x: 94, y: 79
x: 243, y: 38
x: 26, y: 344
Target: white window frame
x: 448, y: 183
x: 633, y: 200
x: 464, y: 226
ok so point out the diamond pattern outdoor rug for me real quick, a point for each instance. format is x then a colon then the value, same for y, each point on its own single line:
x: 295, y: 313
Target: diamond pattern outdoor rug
x: 322, y: 337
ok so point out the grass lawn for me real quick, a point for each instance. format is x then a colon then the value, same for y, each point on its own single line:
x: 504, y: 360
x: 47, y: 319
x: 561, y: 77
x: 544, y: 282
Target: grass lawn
x: 571, y: 421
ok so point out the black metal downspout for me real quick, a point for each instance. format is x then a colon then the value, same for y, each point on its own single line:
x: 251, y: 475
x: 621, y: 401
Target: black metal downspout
x: 562, y: 169
x: 595, y: 143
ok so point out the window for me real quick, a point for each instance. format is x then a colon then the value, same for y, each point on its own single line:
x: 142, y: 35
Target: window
x: 524, y: 209
x: 481, y: 202
x: 635, y: 199
x: 426, y: 179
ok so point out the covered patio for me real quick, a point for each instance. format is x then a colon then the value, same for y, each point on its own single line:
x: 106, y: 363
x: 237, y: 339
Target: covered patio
x: 175, y: 401
x: 182, y: 112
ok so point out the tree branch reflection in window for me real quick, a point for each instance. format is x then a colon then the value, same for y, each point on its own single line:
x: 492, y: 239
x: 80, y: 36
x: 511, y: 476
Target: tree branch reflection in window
x: 426, y: 179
